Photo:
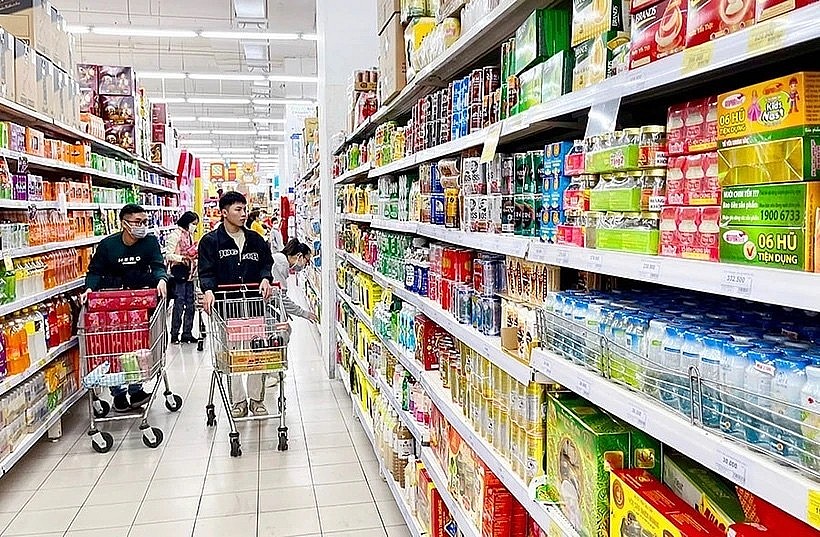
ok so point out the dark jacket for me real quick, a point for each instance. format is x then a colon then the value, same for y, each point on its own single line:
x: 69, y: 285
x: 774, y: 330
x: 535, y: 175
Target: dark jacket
x: 220, y: 262
x: 116, y: 265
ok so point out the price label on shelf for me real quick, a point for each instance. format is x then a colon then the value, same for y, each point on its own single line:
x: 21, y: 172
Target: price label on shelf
x: 698, y: 57
x: 637, y: 80
x: 767, y: 36
x: 562, y: 257
x: 650, y: 269
x: 583, y: 387
x: 541, y: 252
x: 595, y: 262
x: 813, y: 509
x: 731, y: 467
x: 637, y: 417
x: 541, y: 363
x: 737, y: 283
x: 7, y: 262
x: 491, y: 143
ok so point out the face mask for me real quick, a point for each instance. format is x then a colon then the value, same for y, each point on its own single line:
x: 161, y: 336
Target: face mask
x: 138, y: 232
x: 297, y: 267
x: 192, y: 228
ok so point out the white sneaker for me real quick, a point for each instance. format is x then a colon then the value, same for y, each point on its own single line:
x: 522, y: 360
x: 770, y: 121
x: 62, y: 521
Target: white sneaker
x: 274, y: 380
x: 239, y: 410
x: 258, y: 408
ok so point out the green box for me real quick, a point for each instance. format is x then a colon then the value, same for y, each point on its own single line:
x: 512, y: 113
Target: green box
x: 543, y: 34
x: 624, y: 200
x: 583, y: 444
x: 637, y: 241
x: 767, y: 246
x: 593, y: 59
x: 646, y: 452
x: 556, y: 76
x: 530, y: 88
x: 782, y: 156
x: 613, y: 160
x: 703, y: 490
x: 783, y: 204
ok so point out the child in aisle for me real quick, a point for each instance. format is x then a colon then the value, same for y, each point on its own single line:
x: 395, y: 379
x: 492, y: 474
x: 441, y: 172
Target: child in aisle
x: 130, y: 259
x: 255, y: 224
x: 181, y: 257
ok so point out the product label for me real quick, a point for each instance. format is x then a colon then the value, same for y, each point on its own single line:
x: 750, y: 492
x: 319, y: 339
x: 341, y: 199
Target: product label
x: 813, y: 509
x: 697, y: 58
x: 786, y: 205
x: 777, y: 247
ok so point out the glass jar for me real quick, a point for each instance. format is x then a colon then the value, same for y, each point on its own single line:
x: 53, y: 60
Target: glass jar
x: 652, y: 150
x: 653, y: 189
x: 632, y: 136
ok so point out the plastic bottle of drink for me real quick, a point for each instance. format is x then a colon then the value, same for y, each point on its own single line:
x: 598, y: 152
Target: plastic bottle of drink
x: 654, y: 354
x: 758, y: 385
x: 711, y: 358
x: 4, y: 370
x: 690, y: 358
x: 669, y: 375
x: 787, y: 385
x: 810, y: 415
x: 733, y: 366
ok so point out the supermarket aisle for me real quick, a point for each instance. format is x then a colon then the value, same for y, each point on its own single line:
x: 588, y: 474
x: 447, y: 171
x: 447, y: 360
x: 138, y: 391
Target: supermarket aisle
x: 326, y: 484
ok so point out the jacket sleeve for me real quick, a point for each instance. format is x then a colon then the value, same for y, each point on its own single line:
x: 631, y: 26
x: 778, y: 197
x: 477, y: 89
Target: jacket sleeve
x: 171, y: 246
x: 157, y: 262
x: 207, y: 263
x: 291, y: 307
x: 96, y: 268
x: 280, y: 270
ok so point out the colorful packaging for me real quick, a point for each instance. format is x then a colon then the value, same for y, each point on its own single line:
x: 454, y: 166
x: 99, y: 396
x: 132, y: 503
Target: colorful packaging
x: 690, y: 233
x: 594, y: 18
x: 692, y: 127
x: 785, y: 204
x: 657, y: 32
x: 767, y: 9
x: 710, y: 19
x: 556, y: 76
x: 530, y: 93
x: 542, y: 35
x: 693, y: 180
x: 767, y: 246
x: 593, y: 58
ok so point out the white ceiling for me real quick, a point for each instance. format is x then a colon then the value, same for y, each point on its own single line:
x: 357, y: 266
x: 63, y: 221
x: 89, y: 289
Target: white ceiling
x: 201, y: 55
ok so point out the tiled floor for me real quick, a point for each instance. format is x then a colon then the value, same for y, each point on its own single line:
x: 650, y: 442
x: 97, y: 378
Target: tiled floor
x: 327, y: 483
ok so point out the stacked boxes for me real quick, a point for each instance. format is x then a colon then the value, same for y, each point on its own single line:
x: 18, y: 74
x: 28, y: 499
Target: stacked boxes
x: 362, y: 98
x: 392, y: 59
x: 109, y: 92
x: 659, y: 29
x: 600, y: 34
x: 553, y: 189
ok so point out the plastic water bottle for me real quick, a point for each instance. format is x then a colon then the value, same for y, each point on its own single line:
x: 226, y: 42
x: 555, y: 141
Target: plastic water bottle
x: 669, y: 381
x: 733, y: 364
x: 654, y: 355
x: 810, y: 415
x: 690, y: 360
x: 787, y: 385
x: 710, y: 360
x: 758, y: 385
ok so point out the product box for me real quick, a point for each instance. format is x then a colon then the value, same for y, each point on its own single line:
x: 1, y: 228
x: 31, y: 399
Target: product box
x: 710, y: 19
x: 88, y: 76
x: 7, y: 80
x: 692, y: 127
x: 530, y: 88
x: 556, y: 76
x: 542, y: 35
x: 785, y: 205
x: 767, y: 9
x: 690, y: 232
x: 392, y: 61
x: 25, y: 74
x: 116, y: 80
x: 385, y: 9
x: 583, y: 446
x: 703, y: 490
x: 641, y: 505
x: 615, y: 199
x: 60, y: 82
x: 117, y: 110
x: 783, y: 156
x: 767, y: 246
x: 35, y: 142
x: 159, y: 113
x: 45, y: 85
x: 594, y: 18
x: 638, y: 241
x: 612, y: 160
x: 693, y: 180
x: 30, y: 21
x: 593, y: 59
x: 646, y: 452
x: 658, y: 31
x: 417, y: 29
x: 121, y: 135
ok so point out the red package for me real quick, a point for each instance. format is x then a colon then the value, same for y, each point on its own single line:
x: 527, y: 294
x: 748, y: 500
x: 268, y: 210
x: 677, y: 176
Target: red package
x: 520, y: 520
x: 122, y: 300
x: 535, y: 530
x: 658, y: 31
x: 711, y: 19
x: 762, y: 512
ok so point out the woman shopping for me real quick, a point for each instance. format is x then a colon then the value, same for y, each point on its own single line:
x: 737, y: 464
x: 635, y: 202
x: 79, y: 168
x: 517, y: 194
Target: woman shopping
x: 181, y: 256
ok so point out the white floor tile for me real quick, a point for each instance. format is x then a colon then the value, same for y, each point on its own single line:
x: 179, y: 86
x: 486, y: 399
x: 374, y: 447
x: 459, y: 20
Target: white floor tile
x: 343, y: 494
x: 359, y: 516
x: 235, y: 482
x: 12, y: 501
x: 389, y: 511
x: 172, y: 510
x: 289, y: 523
x: 58, y: 498
x: 373, y: 532
x: 175, y: 488
x: 284, y: 477
x: 111, y: 494
x: 233, y: 503
x: 182, y: 528
x: 281, y: 499
x: 105, y: 532
x: 338, y: 455
x: 337, y: 473
x: 34, y: 523
x: 397, y: 531
x: 229, y: 525
x: 93, y: 517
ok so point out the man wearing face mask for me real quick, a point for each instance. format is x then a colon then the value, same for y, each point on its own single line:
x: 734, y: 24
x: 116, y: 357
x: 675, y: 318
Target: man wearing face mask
x: 293, y: 258
x: 130, y: 259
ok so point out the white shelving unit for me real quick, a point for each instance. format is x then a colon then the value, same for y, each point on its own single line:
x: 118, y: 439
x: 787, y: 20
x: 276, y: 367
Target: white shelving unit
x: 9, y: 383
x: 31, y: 300
x: 355, y: 173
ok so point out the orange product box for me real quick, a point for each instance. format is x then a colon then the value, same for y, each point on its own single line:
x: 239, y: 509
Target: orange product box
x: 658, y: 31
x: 35, y: 141
x: 711, y: 19
x: 49, y: 148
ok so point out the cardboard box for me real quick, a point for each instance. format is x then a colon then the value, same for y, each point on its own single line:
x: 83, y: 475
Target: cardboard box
x: 385, y: 9
x: 45, y: 85
x: 556, y: 76
x: 392, y: 61
x: 116, y: 80
x: 159, y: 113
x: 542, y: 35
x: 710, y: 19
x: 7, y: 80
x: 641, y: 505
x: 124, y: 136
x: 30, y: 21
x: 767, y: 9
x: 690, y: 232
x: 784, y: 156
x: 117, y: 110
x: 417, y: 29
x: 784, y: 204
x: 789, y: 248
x: 592, y: 18
x: 88, y: 76
x: 593, y: 59
x: 693, y: 180
x: 691, y: 127
x: 25, y: 74
x: 658, y: 31
x: 60, y: 81
x: 530, y: 88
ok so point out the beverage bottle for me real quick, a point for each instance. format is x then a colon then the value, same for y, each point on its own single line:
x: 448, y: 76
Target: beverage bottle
x: 711, y: 357
x: 787, y: 385
x: 53, y: 325
x: 690, y: 359
x: 734, y: 362
x: 670, y: 371
x: 758, y: 385
x: 810, y: 414
x: 404, y: 450
x: 37, y: 338
x: 12, y: 347
x: 3, y: 358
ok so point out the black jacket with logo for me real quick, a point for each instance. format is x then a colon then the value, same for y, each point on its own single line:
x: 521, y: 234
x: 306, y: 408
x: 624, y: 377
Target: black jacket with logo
x: 116, y: 265
x: 220, y: 262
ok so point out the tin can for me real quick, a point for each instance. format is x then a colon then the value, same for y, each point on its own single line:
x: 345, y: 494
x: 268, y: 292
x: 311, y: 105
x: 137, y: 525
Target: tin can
x: 448, y: 263
x: 475, y: 310
x: 464, y: 301
x: 534, y: 169
x: 491, y: 314
x: 486, y: 106
x: 476, y: 117
x: 476, y: 86
x: 534, y: 456
x: 433, y: 286
x: 463, y: 266
x: 451, y: 209
x: 494, y: 203
x: 446, y: 294
x: 508, y: 214
x: 517, y: 216
x: 492, y: 79
x: 522, y: 163
x: 529, y: 216
x: 437, y: 209
x: 508, y: 175
x: 435, y: 179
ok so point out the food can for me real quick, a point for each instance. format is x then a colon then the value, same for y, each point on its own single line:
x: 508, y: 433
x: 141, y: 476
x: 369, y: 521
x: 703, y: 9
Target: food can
x: 437, y: 209
x: 522, y: 163
x: 463, y: 265
x: 494, y: 203
x: 491, y: 410
x: 535, y: 407
x: 533, y: 172
x: 519, y: 202
x: 476, y: 117
x: 491, y: 314
x: 476, y: 86
x: 534, y: 457
x: 486, y: 107
x: 476, y: 311
x: 508, y: 214
x: 424, y: 209
x: 508, y: 175
x: 515, y: 448
x: 451, y: 209
x: 501, y: 440
x: 435, y: 179
x: 529, y: 216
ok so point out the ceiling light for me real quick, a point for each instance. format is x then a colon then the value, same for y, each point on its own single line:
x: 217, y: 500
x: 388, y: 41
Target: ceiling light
x: 293, y: 78
x: 167, y: 100
x: 269, y: 142
x: 183, y: 119
x: 77, y: 29
x: 196, y: 142
x: 217, y: 100
x: 283, y: 101
x: 128, y: 31
x: 309, y: 37
x: 193, y: 131
x: 224, y: 119
x: 240, y: 150
x: 234, y: 133
x: 271, y: 133
x: 241, y: 35
x: 225, y: 76
x: 161, y: 75
x: 268, y: 121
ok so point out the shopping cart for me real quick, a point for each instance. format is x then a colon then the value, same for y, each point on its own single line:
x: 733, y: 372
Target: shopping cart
x: 123, y: 337
x: 200, y: 313
x: 249, y: 334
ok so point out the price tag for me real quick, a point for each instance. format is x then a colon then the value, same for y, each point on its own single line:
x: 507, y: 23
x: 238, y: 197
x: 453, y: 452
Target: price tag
x: 562, y: 257
x: 650, y: 269
x: 595, y: 262
x: 486, y: 350
x: 541, y: 252
x: 737, y: 283
x: 637, y: 80
x: 491, y: 143
x: 7, y: 262
x: 637, y: 417
x: 813, y: 509
x: 697, y: 58
x: 542, y: 364
x: 583, y: 387
x: 767, y: 36
x: 731, y: 467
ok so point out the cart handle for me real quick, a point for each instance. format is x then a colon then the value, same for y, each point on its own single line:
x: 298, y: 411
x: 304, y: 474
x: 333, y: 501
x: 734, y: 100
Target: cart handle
x: 248, y: 286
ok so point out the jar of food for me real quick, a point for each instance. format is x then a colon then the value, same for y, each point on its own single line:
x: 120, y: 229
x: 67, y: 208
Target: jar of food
x: 653, y: 189
x: 652, y: 150
x: 632, y: 136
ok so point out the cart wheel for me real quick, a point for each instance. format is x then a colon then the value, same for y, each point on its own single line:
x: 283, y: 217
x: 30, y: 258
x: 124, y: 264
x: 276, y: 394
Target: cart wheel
x: 200, y: 345
x: 236, y: 448
x: 152, y: 437
x: 173, y: 402
x: 101, y: 441
x: 283, y: 442
x: 101, y: 408
x: 210, y: 414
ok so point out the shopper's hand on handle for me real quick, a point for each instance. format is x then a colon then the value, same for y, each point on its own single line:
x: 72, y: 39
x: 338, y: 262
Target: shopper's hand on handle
x: 312, y: 317
x: 266, y: 289
x: 162, y: 289
x: 84, y: 297
x: 208, y: 300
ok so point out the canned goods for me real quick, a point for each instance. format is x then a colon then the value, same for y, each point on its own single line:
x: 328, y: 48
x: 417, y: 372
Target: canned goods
x: 491, y: 313
x: 534, y: 172
x: 501, y: 441
x: 519, y: 209
x: 476, y: 117
x: 494, y: 214
x: 476, y: 86
x: 534, y: 457
x: 451, y: 210
x: 475, y: 317
x: 508, y: 175
x: 521, y: 171
x: 529, y: 215
x: 435, y: 179
x: 508, y: 214
x: 437, y: 209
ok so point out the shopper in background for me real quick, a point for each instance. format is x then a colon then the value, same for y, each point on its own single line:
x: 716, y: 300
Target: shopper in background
x: 181, y: 257
x: 230, y: 255
x: 130, y: 259
x: 255, y: 224
x: 276, y: 243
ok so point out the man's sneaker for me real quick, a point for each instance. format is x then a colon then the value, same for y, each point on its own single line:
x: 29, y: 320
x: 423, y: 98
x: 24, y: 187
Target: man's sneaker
x: 174, y: 340
x: 189, y: 339
x: 139, y: 399
x: 240, y: 410
x: 258, y: 408
x: 121, y: 404
x: 274, y: 380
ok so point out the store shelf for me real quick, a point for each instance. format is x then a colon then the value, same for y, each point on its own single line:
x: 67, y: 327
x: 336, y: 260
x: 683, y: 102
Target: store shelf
x: 309, y: 172
x: 486, y: 242
x: 396, y: 166
x: 353, y: 217
x: 394, y: 225
x: 419, y: 431
x: 9, y: 383
x: 777, y: 484
x: 465, y: 525
x: 356, y: 261
x: 31, y: 300
x: 31, y: 439
x: 357, y: 310
x: 350, y: 175
x: 548, y: 518
x: 357, y: 134
x: 434, y: 153
x: 356, y: 357
x: 51, y: 247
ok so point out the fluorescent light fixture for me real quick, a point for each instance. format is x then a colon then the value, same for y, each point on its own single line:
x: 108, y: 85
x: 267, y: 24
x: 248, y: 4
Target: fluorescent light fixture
x: 231, y: 150
x: 225, y: 76
x: 268, y: 121
x: 294, y: 78
x: 217, y: 100
x: 233, y: 133
x: 161, y: 75
x: 250, y: 36
x: 77, y: 29
x: 183, y: 119
x: 193, y: 131
x: 168, y: 100
x: 270, y: 142
x: 283, y: 101
x: 223, y: 119
x: 196, y: 142
x: 128, y: 31
x: 309, y: 37
x: 271, y: 133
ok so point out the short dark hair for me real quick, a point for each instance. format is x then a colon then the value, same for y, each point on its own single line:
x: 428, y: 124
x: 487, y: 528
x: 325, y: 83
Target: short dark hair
x: 131, y: 208
x: 294, y: 247
x: 231, y: 198
x: 254, y: 214
x: 187, y: 218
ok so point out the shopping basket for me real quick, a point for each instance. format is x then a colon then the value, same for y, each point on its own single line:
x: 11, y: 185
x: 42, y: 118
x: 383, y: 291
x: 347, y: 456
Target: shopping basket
x: 123, y: 337
x: 249, y: 334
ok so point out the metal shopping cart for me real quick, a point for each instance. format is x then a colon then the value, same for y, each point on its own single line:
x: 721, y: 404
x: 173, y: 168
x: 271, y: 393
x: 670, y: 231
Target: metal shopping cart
x: 200, y: 313
x: 123, y: 337
x: 249, y: 334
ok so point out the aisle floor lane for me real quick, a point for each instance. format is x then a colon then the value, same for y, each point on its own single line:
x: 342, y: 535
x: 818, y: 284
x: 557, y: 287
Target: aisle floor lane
x: 326, y: 484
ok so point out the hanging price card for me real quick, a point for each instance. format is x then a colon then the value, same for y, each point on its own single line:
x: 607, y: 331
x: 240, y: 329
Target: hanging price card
x: 491, y: 143
x: 541, y: 363
x: 737, y: 283
x: 731, y: 467
x: 813, y: 509
x: 697, y: 58
x: 767, y: 36
x: 595, y: 262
